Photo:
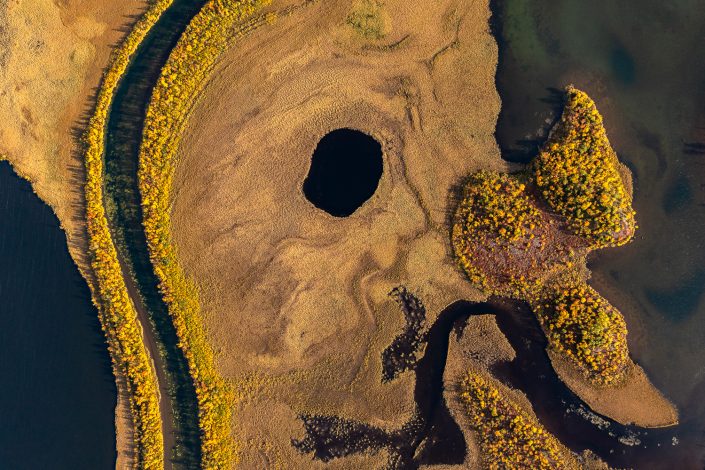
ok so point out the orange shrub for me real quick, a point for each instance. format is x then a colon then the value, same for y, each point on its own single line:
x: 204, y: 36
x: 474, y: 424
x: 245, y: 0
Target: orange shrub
x: 577, y: 174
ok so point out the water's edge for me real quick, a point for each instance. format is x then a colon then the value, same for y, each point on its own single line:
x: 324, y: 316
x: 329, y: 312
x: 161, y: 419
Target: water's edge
x: 123, y: 209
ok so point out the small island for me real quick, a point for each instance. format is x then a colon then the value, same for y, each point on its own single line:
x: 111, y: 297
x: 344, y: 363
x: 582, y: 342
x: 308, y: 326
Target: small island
x: 527, y: 235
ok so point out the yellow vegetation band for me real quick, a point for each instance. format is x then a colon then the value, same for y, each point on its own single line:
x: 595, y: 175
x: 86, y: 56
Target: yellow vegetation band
x: 185, y: 72
x: 509, y: 436
x: 117, y: 313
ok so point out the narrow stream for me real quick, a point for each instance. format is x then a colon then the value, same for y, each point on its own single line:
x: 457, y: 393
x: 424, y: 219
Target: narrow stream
x: 432, y: 437
x: 122, y: 200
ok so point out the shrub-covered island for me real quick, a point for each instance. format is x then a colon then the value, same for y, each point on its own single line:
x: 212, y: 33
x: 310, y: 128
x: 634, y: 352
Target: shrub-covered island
x: 526, y: 236
x: 509, y: 437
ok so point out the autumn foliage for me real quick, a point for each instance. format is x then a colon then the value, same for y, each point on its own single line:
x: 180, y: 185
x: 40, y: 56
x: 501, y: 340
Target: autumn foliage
x: 503, y: 240
x: 588, y: 330
x: 207, y: 36
x: 577, y: 174
x: 524, y: 235
x: 117, y: 313
x: 495, y: 219
x: 509, y: 436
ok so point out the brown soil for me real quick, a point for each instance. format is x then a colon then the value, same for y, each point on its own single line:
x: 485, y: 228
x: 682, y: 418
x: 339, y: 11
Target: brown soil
x: 52, y: 55
x: 295, y: 300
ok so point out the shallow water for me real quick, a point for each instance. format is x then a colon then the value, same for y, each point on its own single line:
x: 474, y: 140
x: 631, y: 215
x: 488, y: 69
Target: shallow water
x: 645, y: 67
x: 57, y: 399
x: 345, y: 170
x: 124, y: 213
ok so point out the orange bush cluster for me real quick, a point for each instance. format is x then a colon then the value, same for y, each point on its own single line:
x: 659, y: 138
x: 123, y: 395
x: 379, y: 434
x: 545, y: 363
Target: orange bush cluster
x: 592, y: 333
x: 499, y: 234
x: 509, y: 437
x: 497, y: 213
x: 207, y: 36
x: 117, y: 314
x: 501, y: 238
x: 577, y: 174
x: 496, y: 203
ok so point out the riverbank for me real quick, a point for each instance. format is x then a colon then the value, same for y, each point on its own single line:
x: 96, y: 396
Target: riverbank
x: 53, y: 83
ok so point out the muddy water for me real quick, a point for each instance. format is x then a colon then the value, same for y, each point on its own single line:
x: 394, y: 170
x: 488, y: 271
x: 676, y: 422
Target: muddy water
x: 644, y: 63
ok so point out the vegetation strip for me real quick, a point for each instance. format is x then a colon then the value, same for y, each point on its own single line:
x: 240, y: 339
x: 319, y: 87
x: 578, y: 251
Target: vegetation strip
x: 509, y: 436
x: 117, y: 313
x: 205, y: 39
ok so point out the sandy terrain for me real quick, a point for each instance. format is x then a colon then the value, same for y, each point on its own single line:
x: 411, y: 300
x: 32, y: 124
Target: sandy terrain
x: 296, y: 300
x: 635, y: 400
x: 52, y: 55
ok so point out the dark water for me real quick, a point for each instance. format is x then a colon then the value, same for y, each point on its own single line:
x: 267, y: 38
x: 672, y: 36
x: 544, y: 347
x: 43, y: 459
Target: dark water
x: 432, y: 437
x: 345, y: 171
x: 57, y: 395
x: 644, y: 64
x: 124, y: 213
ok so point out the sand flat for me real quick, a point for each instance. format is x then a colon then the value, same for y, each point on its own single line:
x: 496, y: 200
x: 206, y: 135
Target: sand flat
x: 292, y: 296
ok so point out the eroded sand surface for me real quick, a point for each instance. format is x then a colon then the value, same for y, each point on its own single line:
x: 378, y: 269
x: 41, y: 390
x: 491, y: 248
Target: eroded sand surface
x: 296, y: 301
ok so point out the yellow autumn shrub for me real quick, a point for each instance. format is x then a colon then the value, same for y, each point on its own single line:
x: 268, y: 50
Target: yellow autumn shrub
x: 206, y: 37
x: 495, y: 220
x: 582, y: 325
x: 509, y: 436
x: 117, y: 313
x: 577, y: 173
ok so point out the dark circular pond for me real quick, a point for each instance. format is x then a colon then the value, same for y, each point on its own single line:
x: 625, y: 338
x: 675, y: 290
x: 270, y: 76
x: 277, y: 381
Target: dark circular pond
x: 345, y: 170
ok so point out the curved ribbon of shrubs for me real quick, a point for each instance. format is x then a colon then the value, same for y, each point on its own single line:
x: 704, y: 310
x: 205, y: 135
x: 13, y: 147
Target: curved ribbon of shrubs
x: 509, y: 436
x: 206, y: 37
x: 117, y: 313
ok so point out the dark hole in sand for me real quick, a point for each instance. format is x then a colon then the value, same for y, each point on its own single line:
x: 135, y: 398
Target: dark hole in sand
x: 345, y: 171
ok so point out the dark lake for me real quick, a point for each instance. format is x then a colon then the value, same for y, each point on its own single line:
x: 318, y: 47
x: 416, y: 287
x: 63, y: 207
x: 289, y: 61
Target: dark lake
x: 345, y: 171
x: 644, y: 64
x: 58, y: 396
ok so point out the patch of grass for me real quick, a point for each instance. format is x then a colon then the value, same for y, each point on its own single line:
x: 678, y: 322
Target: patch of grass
x: 368, y: 18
